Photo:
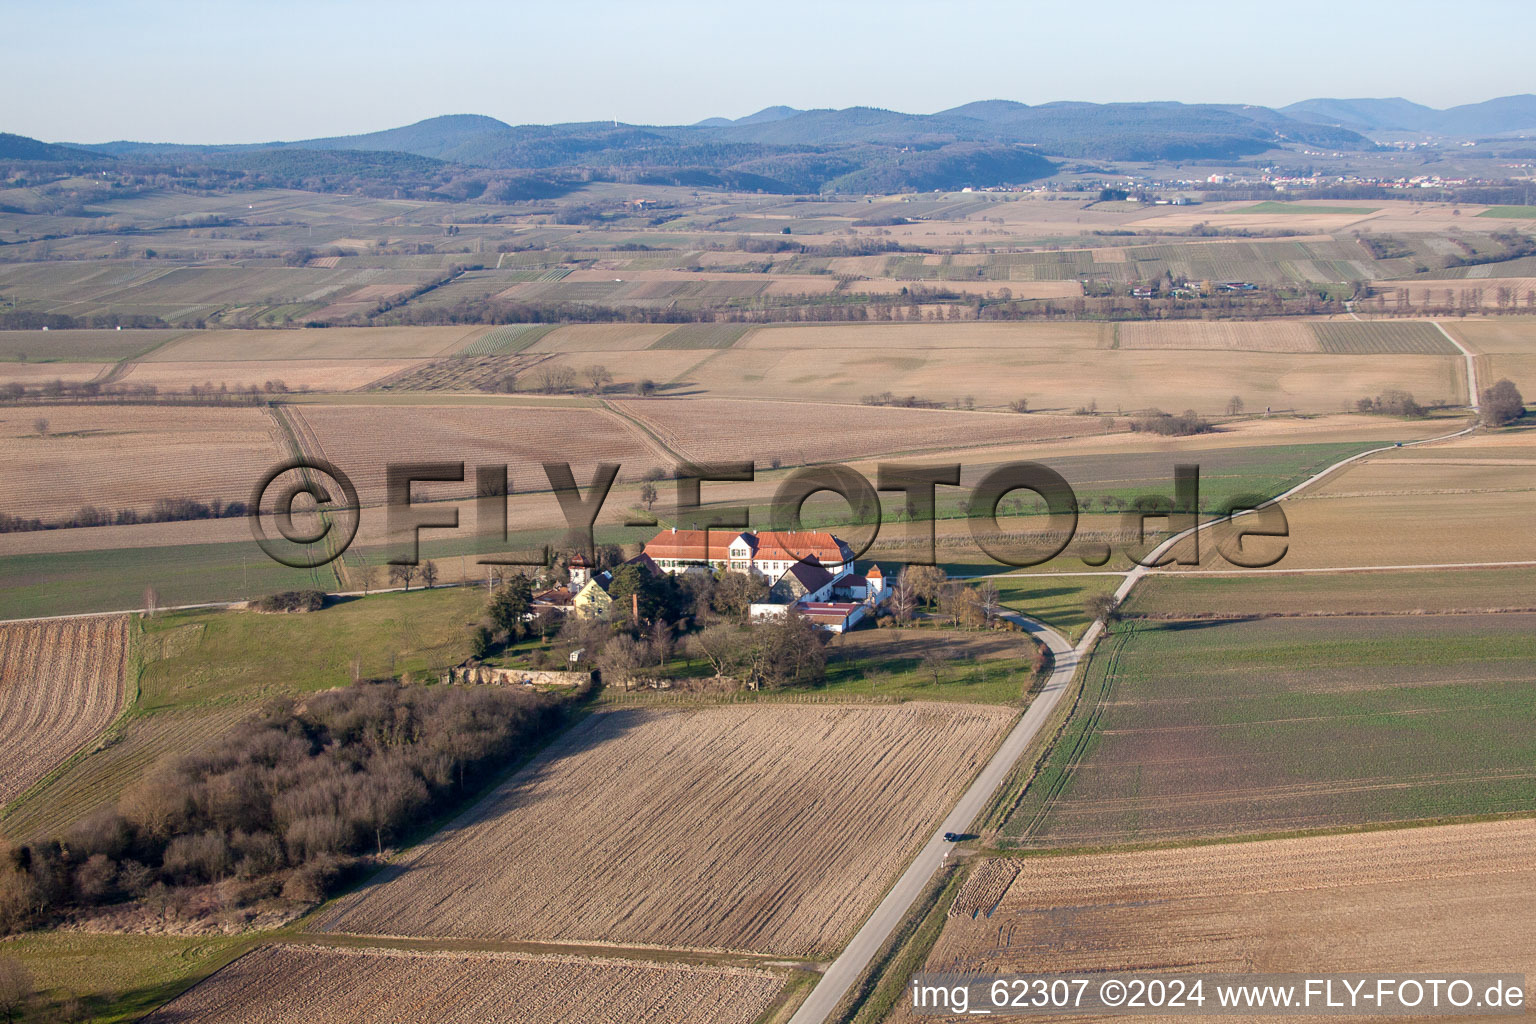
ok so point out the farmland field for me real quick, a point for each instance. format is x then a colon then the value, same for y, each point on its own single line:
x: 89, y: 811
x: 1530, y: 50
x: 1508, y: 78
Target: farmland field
x: 61, y: 683
x: 690, y: 829
x: 1198, y: 334
x: 180, y: 293
x: 505, y: 340
x: 363, y: 439
x: 1054, y: 371
x: 690, y: 336
x: 1304, y: 210
x: 80, y: 346
x: 1520, y: 212
x: 126, y: 457
x: 1456, y: 502
x: 601, y: 338
x: 1216, y: 728
x: 801, y: 433
x: 1345, y: 903
x: 282, y: 984
x: 334, y: 343
x: 323, y: 375
x: 1342, y: 337
x: 1193, y: 595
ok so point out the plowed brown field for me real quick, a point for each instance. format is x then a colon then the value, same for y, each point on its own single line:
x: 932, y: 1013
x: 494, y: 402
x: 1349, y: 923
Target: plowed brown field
x: 61, y: 683
x: 1452, y: 898
x: 769, y: 829
x: 323, y: 985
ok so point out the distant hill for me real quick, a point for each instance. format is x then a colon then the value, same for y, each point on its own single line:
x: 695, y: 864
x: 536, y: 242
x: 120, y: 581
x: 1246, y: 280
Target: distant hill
x: 1507, y: 115
x: 766, y: 114
x: 784, y: 149
x: 450, y: 137
x: 19, y: 147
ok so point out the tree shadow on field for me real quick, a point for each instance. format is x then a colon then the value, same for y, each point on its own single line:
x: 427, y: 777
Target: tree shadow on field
x: 1185, y: 625
x: 1047, y: 592
x: 679, y: 388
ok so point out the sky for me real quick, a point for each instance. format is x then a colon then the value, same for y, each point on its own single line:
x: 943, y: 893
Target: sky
x: 225, y: 71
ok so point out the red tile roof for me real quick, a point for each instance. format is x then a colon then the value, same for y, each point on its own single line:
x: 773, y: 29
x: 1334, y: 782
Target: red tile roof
x: 795, y: 545
x: 688, y: 545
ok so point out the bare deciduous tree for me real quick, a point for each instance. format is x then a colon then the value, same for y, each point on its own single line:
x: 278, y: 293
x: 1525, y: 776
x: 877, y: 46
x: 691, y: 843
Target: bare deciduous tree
x: 402, y: 574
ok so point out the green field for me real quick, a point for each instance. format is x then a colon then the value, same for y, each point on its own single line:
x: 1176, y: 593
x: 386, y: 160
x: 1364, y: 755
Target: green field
x: 1203, y: 729
x: 1522, y: 212
x: 1368, y: 338
x: 1190, y: 595
x: 112, y: 580
x: 1056, y: 601
x: 1303, y: 208
x: 115, y: 977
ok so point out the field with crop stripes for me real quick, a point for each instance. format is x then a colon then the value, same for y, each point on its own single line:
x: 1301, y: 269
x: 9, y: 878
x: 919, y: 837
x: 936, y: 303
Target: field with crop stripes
x: 505, y: 339
x: 758, y: 828
x: 61, y: 683
x: 1390, y: 337
x: 1216, y: 728
x: 280, y: 984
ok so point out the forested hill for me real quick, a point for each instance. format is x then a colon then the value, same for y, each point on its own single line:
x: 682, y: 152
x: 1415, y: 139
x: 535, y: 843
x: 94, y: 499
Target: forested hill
x: 782, y: 149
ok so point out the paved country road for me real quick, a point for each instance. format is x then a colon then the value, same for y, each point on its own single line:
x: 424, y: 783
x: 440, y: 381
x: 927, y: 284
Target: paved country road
x: 845, y: 970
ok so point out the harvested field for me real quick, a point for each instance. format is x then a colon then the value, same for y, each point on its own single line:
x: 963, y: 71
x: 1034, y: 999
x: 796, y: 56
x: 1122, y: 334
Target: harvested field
x: 1347, y: 903
x: 799, y: 433
x: 33, y: 374
x: 364, y: 439
x: 1225, y: 336
x: 927, y: 336
x: 1054, y: 376
x: 985, y: 887
x: 1496, y: 336
x: 126, y: 457
x: 692, y: 830
x: 331, y: 985
x: 293, y: 374
x: 1461, y: 501
x: 61, y: 684
x: 1382, y: 337
x: 601, y: 338
x: 1226, y: 728
x: 1407, y: 530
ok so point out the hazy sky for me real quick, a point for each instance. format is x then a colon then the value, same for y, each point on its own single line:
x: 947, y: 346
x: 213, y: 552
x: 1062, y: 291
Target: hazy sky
x: 226, y: 71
